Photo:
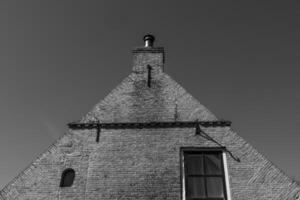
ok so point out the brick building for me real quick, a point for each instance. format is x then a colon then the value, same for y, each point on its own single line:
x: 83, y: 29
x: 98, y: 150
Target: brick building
x: 150, y: 139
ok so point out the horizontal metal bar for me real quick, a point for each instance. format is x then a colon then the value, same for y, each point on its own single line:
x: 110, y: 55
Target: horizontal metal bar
x: 141, y: 125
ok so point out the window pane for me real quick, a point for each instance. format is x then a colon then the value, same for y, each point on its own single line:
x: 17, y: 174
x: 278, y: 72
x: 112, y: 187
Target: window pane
x: 194, y: 164
x: 67, y: 178
x: 214, y: 187
x: 213, y: 164
x: 195, y: 187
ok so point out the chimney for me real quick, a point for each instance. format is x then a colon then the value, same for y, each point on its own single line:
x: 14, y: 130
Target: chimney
x: 148, y: 57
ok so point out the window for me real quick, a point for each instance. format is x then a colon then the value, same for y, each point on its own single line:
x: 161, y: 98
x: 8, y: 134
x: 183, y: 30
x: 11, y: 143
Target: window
x: 67, y: 178
x: 204, y: 177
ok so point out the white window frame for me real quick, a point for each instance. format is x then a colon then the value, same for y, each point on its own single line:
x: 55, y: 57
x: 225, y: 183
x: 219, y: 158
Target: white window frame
x: 226, y: 174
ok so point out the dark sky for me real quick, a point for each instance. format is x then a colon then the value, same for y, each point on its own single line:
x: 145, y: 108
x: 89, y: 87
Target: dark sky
x: 59, y: 58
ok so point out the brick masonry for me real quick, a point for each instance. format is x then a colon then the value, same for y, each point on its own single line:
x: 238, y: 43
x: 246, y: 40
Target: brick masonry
x: 144, y: 163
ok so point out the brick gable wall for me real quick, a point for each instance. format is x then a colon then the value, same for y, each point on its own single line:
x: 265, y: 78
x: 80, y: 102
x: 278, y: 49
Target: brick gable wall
x: 144, y: 163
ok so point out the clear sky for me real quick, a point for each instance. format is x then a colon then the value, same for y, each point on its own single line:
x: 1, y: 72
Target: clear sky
x: 59, y: 58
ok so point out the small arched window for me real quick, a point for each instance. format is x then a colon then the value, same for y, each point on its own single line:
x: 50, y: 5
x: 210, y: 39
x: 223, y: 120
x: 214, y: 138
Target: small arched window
x: 67, y: 178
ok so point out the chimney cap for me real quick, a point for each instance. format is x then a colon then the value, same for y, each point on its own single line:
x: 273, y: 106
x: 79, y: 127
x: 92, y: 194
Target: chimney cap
x: 149, y: 40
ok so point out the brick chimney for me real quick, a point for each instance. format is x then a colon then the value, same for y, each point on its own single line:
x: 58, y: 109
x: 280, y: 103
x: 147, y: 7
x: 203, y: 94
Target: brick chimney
x: 148, y: 57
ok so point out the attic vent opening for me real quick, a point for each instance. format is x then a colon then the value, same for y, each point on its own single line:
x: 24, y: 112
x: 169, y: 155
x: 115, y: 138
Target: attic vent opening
x: 67, y: 178
x: 149, y: 75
